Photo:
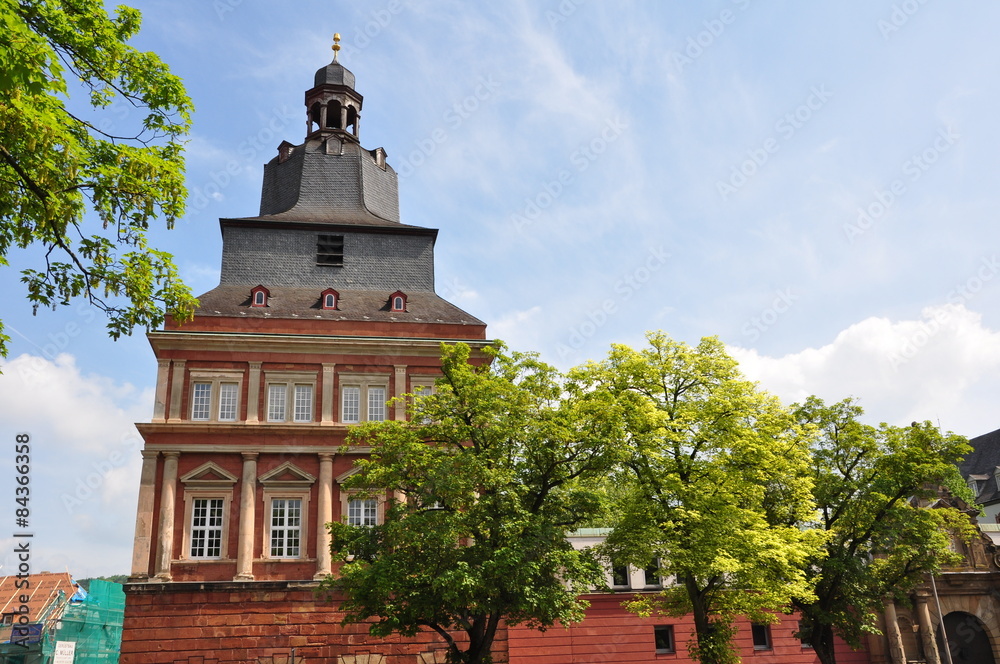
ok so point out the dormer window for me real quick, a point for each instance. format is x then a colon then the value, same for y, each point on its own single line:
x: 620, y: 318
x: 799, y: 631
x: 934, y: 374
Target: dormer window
x: 259, y: 296
x: 397, y: 301
x: 329, y: 299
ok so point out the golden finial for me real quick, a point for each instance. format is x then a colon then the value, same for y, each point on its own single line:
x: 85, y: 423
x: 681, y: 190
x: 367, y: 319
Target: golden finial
x: 336, y: 45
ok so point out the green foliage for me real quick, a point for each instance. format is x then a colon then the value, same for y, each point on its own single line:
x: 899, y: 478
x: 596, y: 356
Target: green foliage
x: 114, y: 578
x: 483, y: 483
x: 715, y: 486
x: 58, y: 165
x: 874, y: 487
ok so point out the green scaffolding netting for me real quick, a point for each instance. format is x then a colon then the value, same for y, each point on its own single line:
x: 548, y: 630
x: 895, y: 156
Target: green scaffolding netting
x: 95, y: 624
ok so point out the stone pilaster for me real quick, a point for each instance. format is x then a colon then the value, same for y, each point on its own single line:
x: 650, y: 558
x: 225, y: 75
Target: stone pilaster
x: 248, y: 495
x: 324, y: 515
x: 168, y: 498
x: 176, y: 390
x: 143, y: 541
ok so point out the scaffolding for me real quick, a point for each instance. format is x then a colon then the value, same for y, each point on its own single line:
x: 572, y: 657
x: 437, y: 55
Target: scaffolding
x: 94, y: 624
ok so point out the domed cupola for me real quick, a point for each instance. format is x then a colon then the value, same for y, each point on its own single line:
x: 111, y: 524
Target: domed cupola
x: 332, y: 105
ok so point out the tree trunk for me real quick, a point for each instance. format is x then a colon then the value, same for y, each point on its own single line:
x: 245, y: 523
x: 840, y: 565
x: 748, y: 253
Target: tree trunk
x: 822, y: 643
x: 714, y: 638
x: 481, y: 637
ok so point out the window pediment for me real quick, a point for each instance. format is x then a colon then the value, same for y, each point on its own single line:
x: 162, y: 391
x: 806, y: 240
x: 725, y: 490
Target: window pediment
x: 209, y: 474
x: 287, y: 475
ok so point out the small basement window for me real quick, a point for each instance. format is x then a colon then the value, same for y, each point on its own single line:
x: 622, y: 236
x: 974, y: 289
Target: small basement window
x: 330, y: 250
x: 663, y: 636
x: 761, y: 636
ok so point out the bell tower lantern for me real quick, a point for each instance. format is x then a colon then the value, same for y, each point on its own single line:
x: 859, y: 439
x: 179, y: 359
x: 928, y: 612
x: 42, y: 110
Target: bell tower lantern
x: 332, y: 105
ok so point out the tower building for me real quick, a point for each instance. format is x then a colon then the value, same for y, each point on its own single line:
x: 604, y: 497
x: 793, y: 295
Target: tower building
x: 325, y: 312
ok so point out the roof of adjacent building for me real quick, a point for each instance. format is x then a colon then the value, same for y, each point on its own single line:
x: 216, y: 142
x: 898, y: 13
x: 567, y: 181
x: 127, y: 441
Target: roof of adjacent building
x: 983, y: 462
x: 352, y: 305
x: 43, y: 589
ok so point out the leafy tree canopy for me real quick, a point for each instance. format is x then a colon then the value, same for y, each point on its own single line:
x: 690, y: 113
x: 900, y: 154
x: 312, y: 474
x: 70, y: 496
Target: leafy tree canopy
x: 714, y: 487
x: 61, y: 163
x: 874, y: 487
x: 482, y: 485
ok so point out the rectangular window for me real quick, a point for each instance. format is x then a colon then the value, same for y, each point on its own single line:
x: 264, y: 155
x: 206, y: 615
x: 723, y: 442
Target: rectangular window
x: 806, y: 643
x: 286, y: 527
x: 227, y: 402
x: 761, y: 636
x: 362, y: 512
x: 330, y: 250
x: 351, y: 411
x: 206, y: 528
x: 201, y: 401
x: 652, y: 573
x: 376, y: 404
x: 620, y: 576
x: 303, y: 403
x: 663, y: 637
x: 276, y: 396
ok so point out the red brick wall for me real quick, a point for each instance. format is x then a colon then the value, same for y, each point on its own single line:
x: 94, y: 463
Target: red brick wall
x: 609, y: 634
x: 241, y: 623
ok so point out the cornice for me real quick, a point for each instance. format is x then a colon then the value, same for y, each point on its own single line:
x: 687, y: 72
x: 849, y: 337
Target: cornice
x: 301, y: 343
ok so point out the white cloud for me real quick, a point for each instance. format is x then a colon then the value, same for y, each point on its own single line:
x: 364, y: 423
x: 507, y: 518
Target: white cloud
x: 941, y: 367
x: 84, y: 461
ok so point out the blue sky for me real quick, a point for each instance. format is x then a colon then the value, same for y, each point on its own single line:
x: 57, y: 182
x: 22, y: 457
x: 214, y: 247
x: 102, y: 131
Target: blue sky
x: 812, y: 182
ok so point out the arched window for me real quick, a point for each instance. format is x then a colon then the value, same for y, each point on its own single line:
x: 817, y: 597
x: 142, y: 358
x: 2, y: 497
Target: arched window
x: 259, y: 296
x: 397, y: 301
x: 329, y: 299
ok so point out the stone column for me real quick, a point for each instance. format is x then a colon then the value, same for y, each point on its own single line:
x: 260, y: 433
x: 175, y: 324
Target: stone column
x: 324, y: 515
x: 398, y: 391
x: 168, y: 496
x: 322, y: 116
x: 927, y: 631
x: 160, y: 400
x: 248, y: 495
x: 176, y: 391
x: 357, y: 125
x: 343, y: 118
x: 143, y: 541
x: 253, y: 393
x: 326, y: 409
x: 897, y: 655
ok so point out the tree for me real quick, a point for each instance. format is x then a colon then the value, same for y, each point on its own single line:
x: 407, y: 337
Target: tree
x: 482, y: 485
x: 61, y: 163
x: 714, y: 487
x: 873, y: 486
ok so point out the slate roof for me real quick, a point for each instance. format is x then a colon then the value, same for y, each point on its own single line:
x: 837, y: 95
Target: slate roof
x: 353, y: 305
x: 982, y: 463
x: 330, y: 180
x: 334, y: 74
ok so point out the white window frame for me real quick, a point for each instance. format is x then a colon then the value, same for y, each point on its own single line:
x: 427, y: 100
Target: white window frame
x: 345, y: 503
x: 292, y: 383
x: 190, y: 496
x: 765, y: 631
x: 423, y: 386
x: 363, y: 383
x: 215, y: 380
x: 672, y: 646
x: 270, y: 495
